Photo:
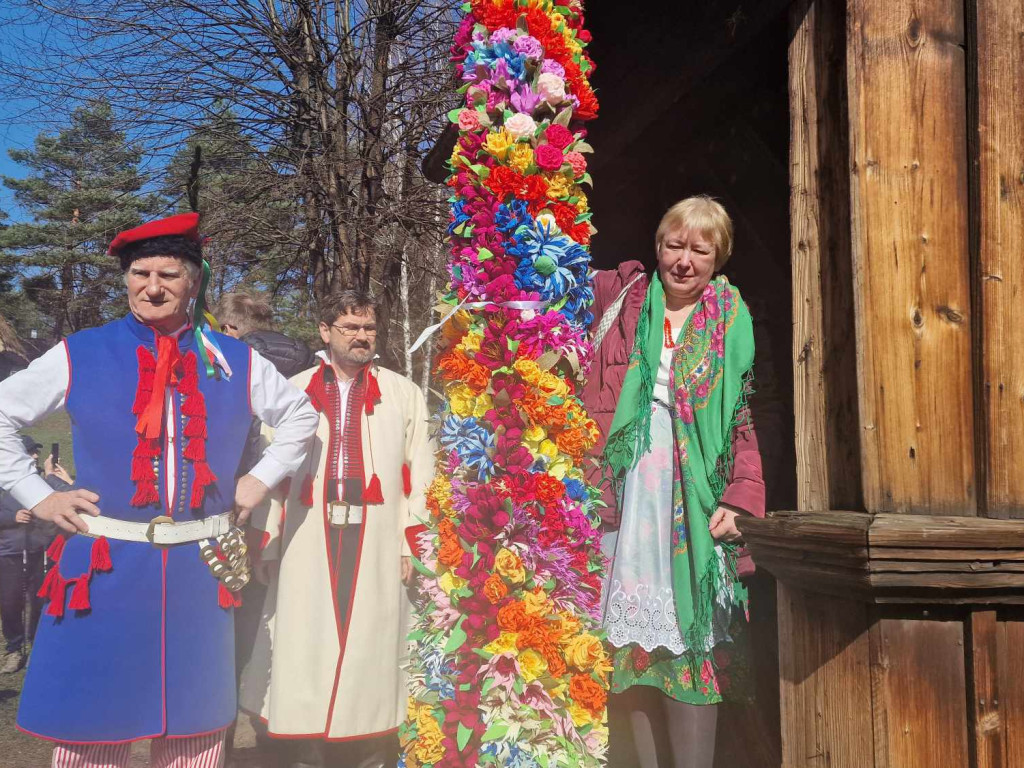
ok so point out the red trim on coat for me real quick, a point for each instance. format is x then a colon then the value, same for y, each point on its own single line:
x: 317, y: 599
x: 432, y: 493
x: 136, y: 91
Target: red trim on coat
x: 323, y: 736
x: 55, y: 740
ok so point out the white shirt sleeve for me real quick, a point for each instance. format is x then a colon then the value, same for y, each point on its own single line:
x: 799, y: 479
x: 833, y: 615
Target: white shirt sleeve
x: 281, y: 405
x: 25, y: 398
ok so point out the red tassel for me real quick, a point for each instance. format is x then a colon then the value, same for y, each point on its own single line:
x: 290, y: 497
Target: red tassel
x: 372, y: 392
x: 100, y: 558
x: 56, y: 595
x: 317, y: 390
x: 147, y: 363
x: 80, y: 594
x: 264, y: 541
x: 194, y: 405
x: 52, y: 577
x: 56, y: 548
x: 195, y: 427
x: 142, y: 469
x: 307, y: 490
x: 190, y: 364
x: 195, y: 450
x: 226, y: 598
x: 146, y: 448
x: 145, y: 494
x: 406, y: 479
x: 204, y: 476
x: 373, y: 493
x: 142, y: 397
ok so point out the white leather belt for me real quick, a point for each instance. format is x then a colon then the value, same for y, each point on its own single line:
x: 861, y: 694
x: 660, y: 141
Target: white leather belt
x: 160, y: 531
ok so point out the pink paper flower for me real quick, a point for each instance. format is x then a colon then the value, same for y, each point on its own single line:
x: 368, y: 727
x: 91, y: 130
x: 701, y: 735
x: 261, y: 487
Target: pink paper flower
x: 548, y: 157
x: 578, y: 163
x: 469, y: 120
x: 559, y: 136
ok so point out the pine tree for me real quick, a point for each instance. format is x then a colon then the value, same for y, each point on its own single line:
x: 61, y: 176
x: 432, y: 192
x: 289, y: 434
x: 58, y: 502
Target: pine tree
x: 83, y: 187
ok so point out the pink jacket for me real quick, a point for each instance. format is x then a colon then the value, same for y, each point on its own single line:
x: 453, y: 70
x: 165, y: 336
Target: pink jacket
x: 745, y: 490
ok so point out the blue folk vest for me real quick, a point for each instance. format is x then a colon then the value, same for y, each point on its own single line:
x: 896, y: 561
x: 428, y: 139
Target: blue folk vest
x: 153, y: 655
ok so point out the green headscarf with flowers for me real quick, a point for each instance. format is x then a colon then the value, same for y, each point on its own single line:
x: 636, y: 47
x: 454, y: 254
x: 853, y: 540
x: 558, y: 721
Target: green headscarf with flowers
x: 712, y: 370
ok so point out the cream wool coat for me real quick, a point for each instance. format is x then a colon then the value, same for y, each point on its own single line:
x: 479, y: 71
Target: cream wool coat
x: 307, y: 676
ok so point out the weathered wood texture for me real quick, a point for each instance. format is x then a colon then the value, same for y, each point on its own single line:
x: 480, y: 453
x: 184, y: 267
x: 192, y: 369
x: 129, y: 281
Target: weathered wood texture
x: 1010, y: 649
x: 907, y: 106
x: 824, y: 681
x: 888, y: 558
x: 919, y: 694
x: 1000, y: 56
x: 824, y: 373
x: 987, y: 732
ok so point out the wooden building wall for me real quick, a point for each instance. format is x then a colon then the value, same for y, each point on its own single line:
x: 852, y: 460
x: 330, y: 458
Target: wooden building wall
x: 899, y: 621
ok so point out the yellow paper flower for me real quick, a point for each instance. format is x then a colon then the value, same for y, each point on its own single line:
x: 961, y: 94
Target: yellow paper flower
x: 504, y: 643
x: 585, y: 652
x: 429, y: 741
x: 558, y: 186
x: 582, y: 203
x: 580, y: 716
x: 509, y: 566
x: 532, y: 665
x: 537, y: 603
x: 520, y: 158
x: 497, y: 143
x: 449, y: 582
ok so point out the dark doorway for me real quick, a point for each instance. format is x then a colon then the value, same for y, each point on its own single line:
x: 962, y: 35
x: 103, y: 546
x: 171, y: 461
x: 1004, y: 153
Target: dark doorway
x: 694, y: 99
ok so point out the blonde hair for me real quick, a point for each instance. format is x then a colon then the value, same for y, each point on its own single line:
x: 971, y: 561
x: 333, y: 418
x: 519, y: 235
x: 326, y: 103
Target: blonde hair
x: 704, y: 214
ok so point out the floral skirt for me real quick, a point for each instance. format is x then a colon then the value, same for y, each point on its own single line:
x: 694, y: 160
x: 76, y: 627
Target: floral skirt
x: 639, y: 615
x: 686, y: 677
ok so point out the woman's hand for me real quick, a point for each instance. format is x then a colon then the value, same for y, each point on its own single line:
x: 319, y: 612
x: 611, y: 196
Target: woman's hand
x: 723, y: 525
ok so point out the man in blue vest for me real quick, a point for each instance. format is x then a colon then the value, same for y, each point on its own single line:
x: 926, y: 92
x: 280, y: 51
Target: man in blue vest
x: 137, y: 638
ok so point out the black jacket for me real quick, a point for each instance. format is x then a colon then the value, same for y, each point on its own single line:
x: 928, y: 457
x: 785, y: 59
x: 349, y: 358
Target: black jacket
x: 288, y: 355
x: 34, y: 536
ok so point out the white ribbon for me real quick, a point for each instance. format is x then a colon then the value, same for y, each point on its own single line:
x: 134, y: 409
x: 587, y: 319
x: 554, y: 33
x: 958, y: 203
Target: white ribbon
x: 430, y: 330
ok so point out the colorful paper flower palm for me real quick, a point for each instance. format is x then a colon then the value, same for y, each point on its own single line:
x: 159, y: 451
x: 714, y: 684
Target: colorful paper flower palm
x: 508, y: 667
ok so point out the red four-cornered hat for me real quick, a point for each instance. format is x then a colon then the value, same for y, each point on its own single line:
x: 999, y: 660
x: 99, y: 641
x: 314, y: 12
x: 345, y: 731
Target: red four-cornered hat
x: 183, y: 225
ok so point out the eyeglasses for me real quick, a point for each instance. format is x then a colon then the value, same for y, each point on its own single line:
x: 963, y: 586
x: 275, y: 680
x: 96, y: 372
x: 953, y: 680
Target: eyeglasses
x: 353, y: 330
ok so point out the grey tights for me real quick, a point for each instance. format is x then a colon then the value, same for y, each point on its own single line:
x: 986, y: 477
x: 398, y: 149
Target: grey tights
x: 690, y: 729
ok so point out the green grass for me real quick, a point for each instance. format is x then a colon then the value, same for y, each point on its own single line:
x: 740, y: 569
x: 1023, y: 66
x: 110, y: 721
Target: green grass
x: 55, y: 428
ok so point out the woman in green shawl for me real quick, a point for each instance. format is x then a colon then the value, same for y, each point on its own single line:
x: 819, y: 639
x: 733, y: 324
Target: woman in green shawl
x: 682, y: 451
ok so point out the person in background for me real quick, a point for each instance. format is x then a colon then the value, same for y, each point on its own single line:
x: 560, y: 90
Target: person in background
x: 23, y: 543
x: 250, y: 319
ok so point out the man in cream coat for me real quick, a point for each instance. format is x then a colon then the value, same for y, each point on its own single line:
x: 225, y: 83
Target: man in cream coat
x: 325, y: 672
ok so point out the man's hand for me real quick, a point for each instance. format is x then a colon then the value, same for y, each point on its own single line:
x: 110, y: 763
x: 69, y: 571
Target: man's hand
x: 249, y: 494
x: 23, y: 516
x: 723, y: 525
x: 408, y: 572
x: 64, y: 509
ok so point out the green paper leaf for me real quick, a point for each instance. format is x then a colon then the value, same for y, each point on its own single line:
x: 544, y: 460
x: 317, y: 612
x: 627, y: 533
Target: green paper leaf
x: 484, y: 254
x: 419, y: 566
x: 453, y: 115
x: 586, y: 179
x: 456, y: 639
x: 513, y: 345
x: 563, y: 117
x: 495, y: 732
x: 462, y: 738
x: 582, y: 147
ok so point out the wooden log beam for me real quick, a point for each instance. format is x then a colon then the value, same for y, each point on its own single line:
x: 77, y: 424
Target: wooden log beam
x: 824, y: 377
x: 1000, y: 83
x: 909, y: 214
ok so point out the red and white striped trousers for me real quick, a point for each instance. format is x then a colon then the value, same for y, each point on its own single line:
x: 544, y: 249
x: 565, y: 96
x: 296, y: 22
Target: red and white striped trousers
x: 190, y: 752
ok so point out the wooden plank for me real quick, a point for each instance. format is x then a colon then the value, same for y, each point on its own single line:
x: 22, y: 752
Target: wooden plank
x: 907, y: 106
x: 837, y: 527
x: 824, y: 379
x: 952, y: 532
x: 823, y: 674
x: 948, y: 580
x: 949, y: 555
x: 986, y: 723
x: 1010, y: 651
x: 919, y: 694
x: 932, y: 566
x: 1000, y: 52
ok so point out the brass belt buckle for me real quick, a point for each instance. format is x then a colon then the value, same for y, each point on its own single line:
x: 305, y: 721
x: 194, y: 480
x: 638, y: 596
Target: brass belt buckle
x: 158, y: 520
